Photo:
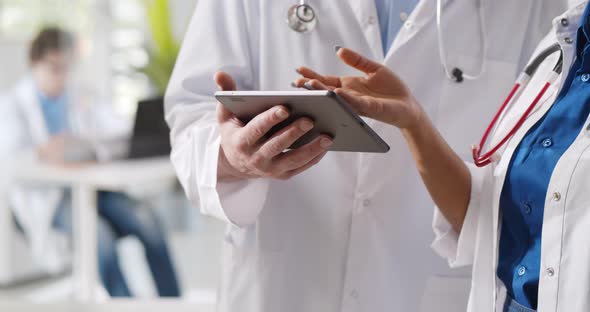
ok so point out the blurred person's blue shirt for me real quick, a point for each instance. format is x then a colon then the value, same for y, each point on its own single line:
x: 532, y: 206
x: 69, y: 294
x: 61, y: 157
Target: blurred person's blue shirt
x: 55, y: 112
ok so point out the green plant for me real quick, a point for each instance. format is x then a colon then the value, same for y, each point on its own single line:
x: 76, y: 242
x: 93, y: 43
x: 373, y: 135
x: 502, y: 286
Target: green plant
x: 164, y: 49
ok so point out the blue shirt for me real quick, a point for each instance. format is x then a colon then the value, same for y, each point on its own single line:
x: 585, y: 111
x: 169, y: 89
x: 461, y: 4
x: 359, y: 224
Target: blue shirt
x: 390, y: 14
x: 54, y: 113
x: 525, y: 188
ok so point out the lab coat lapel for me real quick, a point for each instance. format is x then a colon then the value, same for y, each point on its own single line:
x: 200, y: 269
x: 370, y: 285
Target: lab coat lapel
x: 29, y: 104
x: 500, y: 170
x: 366, y: 16
x: 365, y: 11
x: 422, y: 16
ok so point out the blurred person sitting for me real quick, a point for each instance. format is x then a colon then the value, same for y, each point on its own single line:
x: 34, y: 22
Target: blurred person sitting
x: 57, y: 123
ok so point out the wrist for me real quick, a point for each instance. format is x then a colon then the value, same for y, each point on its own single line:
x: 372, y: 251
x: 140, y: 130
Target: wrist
x: 419, y: 123
x: 225, y: 171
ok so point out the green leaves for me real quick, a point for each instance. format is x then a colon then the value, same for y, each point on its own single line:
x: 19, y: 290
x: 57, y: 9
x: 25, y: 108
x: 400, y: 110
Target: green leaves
x: 165, y: 48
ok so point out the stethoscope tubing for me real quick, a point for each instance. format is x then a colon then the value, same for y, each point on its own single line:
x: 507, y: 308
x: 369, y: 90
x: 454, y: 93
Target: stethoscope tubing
x: 442, y: 52
x: 521, y: 84
x: 487, y: 158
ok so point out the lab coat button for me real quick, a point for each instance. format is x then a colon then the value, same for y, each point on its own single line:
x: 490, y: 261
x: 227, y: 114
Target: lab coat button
x: 372, y: 20
x: 354, y: 294
x: 408, y: 24
x: 556, y: 196
x: 403, y: 16
x: 569, y: 40
x: 565, y: 22
x: 366, y: 203
x: 550, y: 272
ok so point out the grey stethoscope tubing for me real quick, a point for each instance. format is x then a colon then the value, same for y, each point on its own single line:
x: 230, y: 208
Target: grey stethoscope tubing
x: 456, y: 74
x: 301, y: 17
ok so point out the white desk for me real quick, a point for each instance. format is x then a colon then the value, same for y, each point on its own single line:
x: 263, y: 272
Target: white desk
x: 121, y: 176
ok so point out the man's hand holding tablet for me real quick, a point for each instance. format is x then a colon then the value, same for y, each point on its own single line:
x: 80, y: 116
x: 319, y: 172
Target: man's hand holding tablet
x: 247, y: 152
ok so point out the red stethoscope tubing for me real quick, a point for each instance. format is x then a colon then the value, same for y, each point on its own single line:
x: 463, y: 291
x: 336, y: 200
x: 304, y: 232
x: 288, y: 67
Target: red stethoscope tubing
x: 488, y: 157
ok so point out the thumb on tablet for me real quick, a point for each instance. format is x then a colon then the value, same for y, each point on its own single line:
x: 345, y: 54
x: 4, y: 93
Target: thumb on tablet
x: 225, y: 83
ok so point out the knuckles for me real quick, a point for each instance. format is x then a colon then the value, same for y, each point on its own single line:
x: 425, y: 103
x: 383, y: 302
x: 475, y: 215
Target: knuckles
x: 274, y: 146
x: 256, y: 132
x: 294, y: 161
x: 242, y: 146
x: 257, y: 162
x: 240, y: 155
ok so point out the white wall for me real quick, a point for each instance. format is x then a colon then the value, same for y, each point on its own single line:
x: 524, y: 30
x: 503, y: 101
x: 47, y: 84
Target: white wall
x: 13, y: 61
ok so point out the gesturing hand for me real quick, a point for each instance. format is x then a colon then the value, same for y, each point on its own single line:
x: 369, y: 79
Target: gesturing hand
x: 245, y: 151
x: 380, y: 94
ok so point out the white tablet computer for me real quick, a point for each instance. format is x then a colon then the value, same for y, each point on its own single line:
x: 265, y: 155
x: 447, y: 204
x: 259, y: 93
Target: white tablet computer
x: 331, y: 115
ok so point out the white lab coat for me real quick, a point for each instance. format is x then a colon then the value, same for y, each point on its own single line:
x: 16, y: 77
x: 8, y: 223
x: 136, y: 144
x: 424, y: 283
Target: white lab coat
x: 565, y: 274
x: 354, y: 232
x: 35, y: 206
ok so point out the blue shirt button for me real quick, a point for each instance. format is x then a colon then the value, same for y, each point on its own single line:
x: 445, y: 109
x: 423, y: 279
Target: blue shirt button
x: 547, y: 143
x: 585, y: 77
x: 521, y: 271
x: 527, y: 209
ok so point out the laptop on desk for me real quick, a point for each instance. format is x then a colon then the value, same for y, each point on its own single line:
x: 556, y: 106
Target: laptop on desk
x: 150, y: 137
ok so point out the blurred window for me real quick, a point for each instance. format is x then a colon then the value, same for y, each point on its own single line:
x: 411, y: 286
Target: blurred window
x: 20, y: 19
x: 128, y: 41
x: 113, y: 41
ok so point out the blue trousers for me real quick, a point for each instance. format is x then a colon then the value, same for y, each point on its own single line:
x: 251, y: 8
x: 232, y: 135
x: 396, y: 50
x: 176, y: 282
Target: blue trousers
x: 118, y: 217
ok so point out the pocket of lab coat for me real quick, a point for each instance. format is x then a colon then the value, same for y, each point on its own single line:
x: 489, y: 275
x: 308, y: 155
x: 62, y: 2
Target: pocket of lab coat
x: 445, y: 294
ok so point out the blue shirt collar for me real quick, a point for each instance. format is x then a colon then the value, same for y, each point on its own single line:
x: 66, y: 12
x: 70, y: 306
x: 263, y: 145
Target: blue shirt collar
x: 584, y: 31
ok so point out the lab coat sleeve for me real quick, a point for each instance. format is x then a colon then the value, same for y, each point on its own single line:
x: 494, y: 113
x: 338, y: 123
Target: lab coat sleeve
x: 14, y: 141
x: 222, y: 36
x: 458, y: 249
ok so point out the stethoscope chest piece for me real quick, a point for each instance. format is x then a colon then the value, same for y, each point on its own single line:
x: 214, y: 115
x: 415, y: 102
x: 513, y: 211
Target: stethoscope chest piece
x: 302, y: 18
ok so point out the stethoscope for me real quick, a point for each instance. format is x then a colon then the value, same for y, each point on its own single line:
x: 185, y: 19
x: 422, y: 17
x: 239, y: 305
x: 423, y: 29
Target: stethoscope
x: 457, y: 74
x: 521, y: 84
x: 302, y: 18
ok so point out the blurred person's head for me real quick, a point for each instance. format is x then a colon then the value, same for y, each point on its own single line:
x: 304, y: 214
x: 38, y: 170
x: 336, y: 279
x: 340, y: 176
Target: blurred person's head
x: 50, y: 57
